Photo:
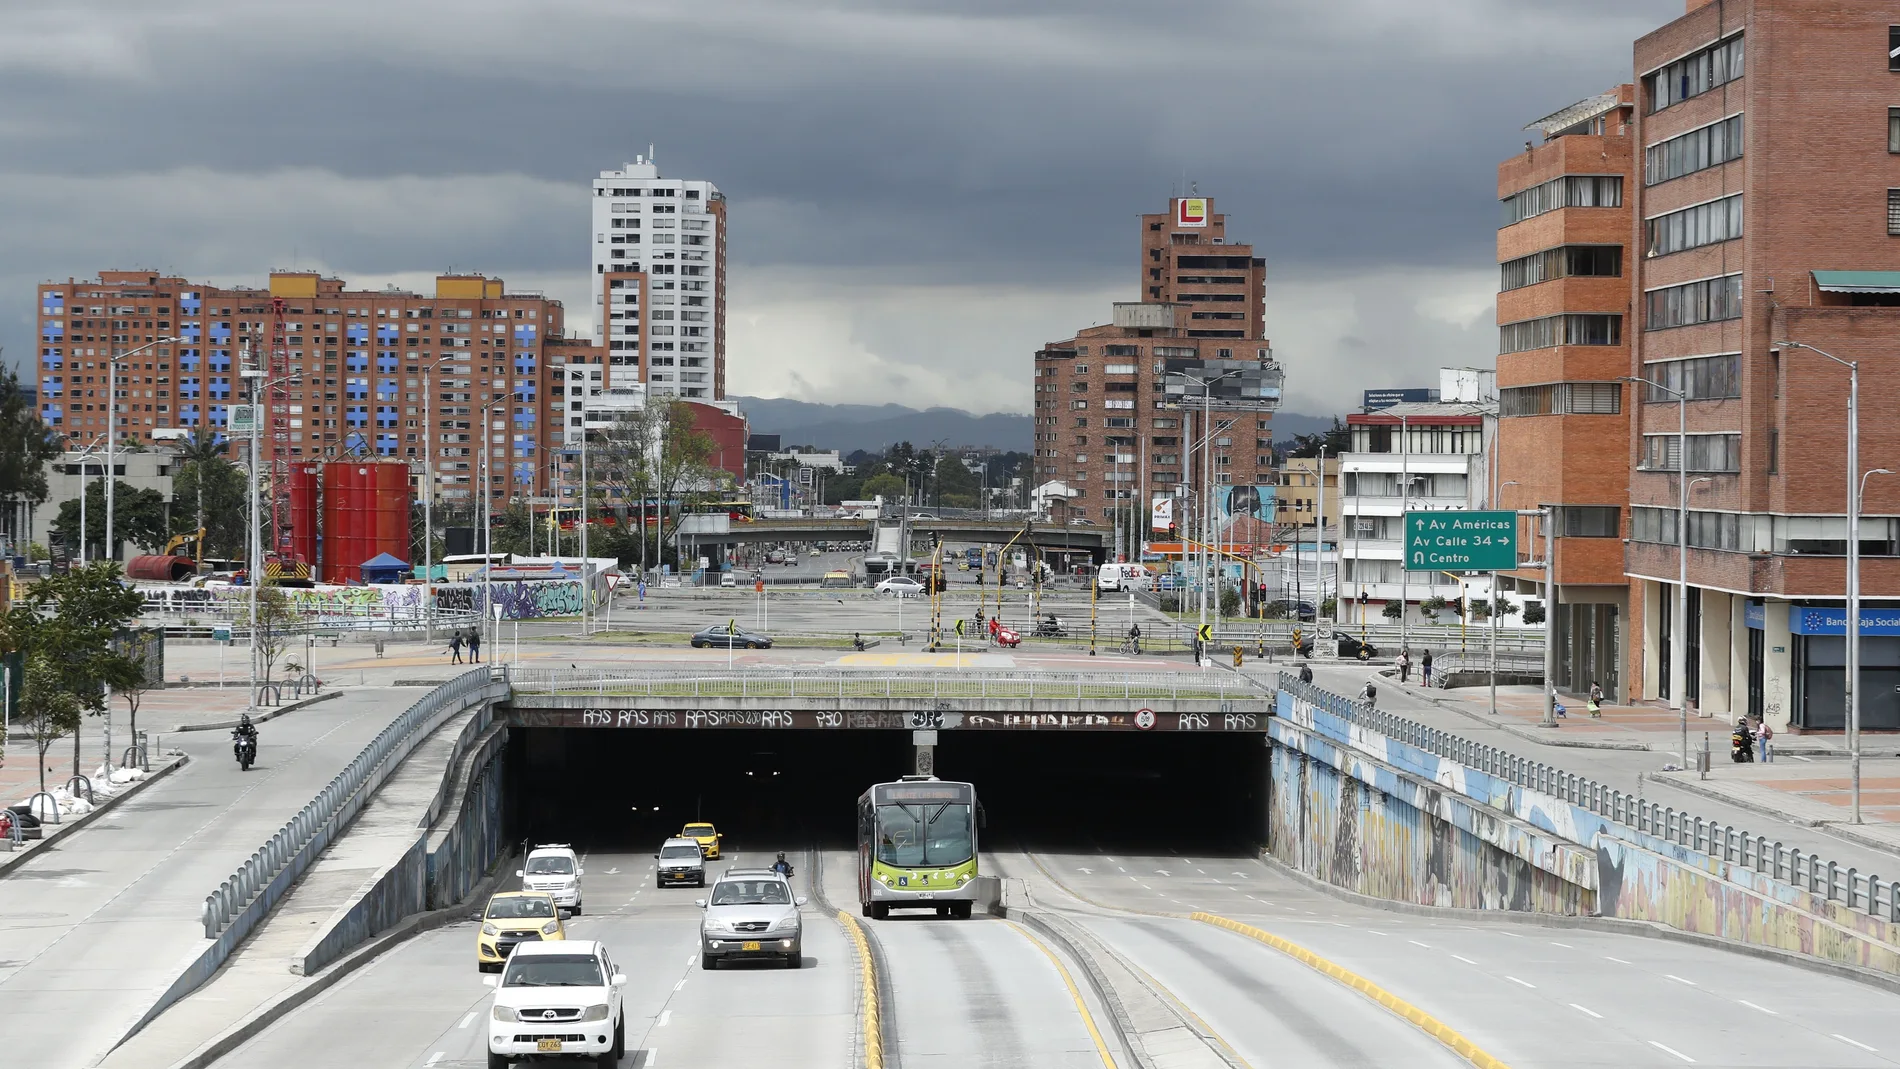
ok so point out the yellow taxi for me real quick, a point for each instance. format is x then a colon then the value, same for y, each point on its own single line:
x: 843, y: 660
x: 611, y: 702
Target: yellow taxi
x: 515, y: 917
x: 706, y: 836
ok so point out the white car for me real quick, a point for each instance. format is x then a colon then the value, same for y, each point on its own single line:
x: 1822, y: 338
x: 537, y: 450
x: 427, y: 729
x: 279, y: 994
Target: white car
x: 557, y: 1000
x: 554, y: 869
x: 902, y: 586
x: 751, y: 913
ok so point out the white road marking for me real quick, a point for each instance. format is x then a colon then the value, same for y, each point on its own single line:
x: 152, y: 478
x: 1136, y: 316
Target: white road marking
x: 1566, y: 946
x: 1798, y: 757
x: 1619, y: 961
x: 1339, y: 924
x: 681, y: 984
x: 1118, y: 868
x: 1762, y: 1009
x: 436, y: 1057
x: 665, y: 1016
x: 1187, y: 861
x: 1201, y: 871
x: 1510, y: 935
x: 1526, y: 983
x: 1141, y: 885
x: 1672, y: 1050
x: 1242, y: 875
x: 1416, y: 943
x: 468, y: 1020
x: 1255, y: 899
x: 1582, y: 1009
x: 1855, y: 1042
x: 653, y: 1055
x: 689, y: 958
x: 1375, y: 931
x: 1462, y: 958
x: 1164, y: 872
x: 613, y: 871
x: 1679, y: 979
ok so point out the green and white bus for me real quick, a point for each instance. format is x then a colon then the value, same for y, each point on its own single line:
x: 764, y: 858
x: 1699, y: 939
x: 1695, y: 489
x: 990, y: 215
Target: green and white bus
x: 917, y: 847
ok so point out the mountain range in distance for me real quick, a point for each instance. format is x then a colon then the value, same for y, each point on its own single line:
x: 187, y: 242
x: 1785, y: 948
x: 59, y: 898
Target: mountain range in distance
x: 848, y: 428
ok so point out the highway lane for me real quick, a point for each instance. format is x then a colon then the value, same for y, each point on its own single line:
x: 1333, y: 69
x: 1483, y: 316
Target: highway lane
x: 978, y: 992
x: 1530, y: 995
x: 424, y: 1004
x: 92, y: 931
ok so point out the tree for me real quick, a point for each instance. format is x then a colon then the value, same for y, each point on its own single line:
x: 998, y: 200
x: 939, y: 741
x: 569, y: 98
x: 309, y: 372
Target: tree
x: 70, y: 620
x: 26, y: 445
x: 47, y: 708
x: 656, y: 454
x: 275, y: 617
x: 1336, y: 441
x: 138, y: 516
x: 1394, y: 610
x: 954, y: 484
x: 1534, y: 613
x: 1432, y: 606
x: 885, y: 485
x: 216, y: 489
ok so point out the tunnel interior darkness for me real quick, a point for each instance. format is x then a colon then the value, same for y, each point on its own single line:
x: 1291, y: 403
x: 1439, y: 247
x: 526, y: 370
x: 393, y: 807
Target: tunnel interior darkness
x: 1075, y: 792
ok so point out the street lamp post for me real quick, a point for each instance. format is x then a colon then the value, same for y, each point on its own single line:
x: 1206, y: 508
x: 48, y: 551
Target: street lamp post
x: 112, y: 428
x: 1497, y: 501
x: 1679, y: 641
x: 488, y: 545
x: 428, y: 494
x: 1207, y: 479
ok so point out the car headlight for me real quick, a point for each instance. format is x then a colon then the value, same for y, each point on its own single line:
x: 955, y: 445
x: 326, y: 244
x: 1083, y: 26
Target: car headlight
x: 550, y: 927
x: 595, y: 1013
x: 490, y: 929
x: 786, y: 924
x: 506, y: 1013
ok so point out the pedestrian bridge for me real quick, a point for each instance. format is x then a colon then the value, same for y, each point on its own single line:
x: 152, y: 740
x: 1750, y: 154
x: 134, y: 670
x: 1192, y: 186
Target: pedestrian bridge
x: 1212, y: 700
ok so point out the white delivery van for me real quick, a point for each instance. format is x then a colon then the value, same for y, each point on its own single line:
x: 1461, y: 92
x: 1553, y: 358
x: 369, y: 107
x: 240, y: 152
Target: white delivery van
x: 1123, y: 577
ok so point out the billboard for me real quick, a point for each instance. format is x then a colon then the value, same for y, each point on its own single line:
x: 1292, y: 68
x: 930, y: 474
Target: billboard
x: 1191, y: 212
x: 1163, y: 514
x: 1374, y: 400
x: 1236, y: 504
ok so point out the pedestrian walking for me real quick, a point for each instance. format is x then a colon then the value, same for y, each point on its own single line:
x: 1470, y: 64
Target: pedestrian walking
x: 474, y: 647
x: 1405, y: 665
x: 1425, y: 663
x: 1596, y: 700
x: 455, y: 648
x: 1764, y: 740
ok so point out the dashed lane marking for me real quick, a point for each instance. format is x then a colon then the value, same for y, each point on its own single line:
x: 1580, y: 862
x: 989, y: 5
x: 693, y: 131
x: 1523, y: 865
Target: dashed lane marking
x: 665, y: 1016
x: 1760, y: 1009
x: 1462, y: 958
x: 1855, y: 1042
x: 436, y: 1057
x: 1619, y: 961
x: 1584, y: 1009
x: 1566, y: 946
x: 466, y: 1021
x: 1525, y: 983
x: 1679, y: 979
x: 1671, y: 1050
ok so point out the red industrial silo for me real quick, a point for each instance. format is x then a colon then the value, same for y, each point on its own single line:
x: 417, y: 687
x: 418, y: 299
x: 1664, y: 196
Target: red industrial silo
x: 344, y: 520
x: 303, y: 513
x: 390, y: 504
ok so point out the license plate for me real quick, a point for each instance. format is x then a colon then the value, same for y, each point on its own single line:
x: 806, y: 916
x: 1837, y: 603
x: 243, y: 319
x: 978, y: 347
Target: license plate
x: 749, y: 945
x: 926, y: 894
x: 548, y: 1046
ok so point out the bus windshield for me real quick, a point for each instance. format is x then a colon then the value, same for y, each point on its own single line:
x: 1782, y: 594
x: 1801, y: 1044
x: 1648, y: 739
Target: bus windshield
x: 924, y: 834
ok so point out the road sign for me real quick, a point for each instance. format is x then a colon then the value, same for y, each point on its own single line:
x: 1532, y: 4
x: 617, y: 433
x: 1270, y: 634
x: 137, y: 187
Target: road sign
x: 242, y: 420
x: 1206, y: 632
x: 220, y: 633
x: 1460, y: 541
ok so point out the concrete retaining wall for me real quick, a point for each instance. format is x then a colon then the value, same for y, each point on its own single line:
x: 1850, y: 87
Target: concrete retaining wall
x: 400, y: 892
x: 460, y: 856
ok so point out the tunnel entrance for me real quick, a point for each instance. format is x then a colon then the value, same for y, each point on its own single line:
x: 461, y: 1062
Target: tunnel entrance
x: 1058, y: 792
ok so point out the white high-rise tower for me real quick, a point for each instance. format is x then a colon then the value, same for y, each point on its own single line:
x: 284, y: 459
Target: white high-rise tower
x: 660, y: 281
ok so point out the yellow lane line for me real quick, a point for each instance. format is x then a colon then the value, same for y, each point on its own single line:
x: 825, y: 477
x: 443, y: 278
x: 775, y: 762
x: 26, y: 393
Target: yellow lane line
x: 1430, y: 1025
x: 867, y: 970
x: 1088, y: 1019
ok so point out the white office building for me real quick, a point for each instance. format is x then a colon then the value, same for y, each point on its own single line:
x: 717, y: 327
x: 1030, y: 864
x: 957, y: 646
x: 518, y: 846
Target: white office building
x: 660, y: 281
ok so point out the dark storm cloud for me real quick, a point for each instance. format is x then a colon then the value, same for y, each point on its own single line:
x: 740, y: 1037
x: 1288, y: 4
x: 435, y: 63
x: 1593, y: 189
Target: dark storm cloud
x: 955, y: 144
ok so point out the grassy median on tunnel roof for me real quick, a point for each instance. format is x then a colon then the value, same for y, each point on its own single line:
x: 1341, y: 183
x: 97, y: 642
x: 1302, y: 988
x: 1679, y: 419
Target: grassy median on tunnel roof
x: 769, y: 790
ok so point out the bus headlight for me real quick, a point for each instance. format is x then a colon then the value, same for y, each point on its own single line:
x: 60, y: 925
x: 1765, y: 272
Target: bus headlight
x: 963, y: 877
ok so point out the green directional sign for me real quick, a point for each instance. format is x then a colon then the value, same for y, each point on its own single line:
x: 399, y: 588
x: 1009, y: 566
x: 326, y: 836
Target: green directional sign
x: 1460, y: 541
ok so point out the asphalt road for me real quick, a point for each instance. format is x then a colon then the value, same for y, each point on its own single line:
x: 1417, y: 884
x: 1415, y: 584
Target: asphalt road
x: 1532, y: 996
x: 94, y: 930
x: 423, y: 1004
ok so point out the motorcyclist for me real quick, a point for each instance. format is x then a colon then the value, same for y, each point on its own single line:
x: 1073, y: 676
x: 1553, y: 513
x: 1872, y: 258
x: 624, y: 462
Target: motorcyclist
x: 244, y: 732
x: 782, y: 867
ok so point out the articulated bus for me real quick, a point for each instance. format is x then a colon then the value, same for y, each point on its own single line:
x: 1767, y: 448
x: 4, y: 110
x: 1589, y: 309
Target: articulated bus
x: 917, y: 847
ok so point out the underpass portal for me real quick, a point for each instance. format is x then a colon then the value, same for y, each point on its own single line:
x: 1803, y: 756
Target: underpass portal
x: 777, y: 789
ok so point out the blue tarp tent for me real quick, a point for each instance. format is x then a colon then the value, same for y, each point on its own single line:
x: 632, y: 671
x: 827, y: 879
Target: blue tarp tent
x: 384, y: 568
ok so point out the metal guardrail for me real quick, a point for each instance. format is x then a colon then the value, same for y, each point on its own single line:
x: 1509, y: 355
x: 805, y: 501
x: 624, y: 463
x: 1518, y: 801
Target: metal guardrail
x: 1867, y: 893
x: 242, y: 900
x: 946, y: 682
x: 190, y: 624
x: 1514, y: 661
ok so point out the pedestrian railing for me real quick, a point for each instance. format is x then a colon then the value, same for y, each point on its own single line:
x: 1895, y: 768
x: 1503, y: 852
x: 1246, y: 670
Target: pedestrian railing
x: 946, y: 682
x: 242, y: 900
x: 1864, y: 892
x: 1514, y: 662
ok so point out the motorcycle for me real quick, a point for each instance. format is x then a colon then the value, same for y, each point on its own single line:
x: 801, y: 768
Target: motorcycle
x: 245, y: 749
x: 1741, y: 745
x: 1049, y: 627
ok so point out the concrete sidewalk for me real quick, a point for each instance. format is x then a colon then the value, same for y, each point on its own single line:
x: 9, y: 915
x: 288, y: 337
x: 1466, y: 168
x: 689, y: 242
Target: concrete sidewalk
x: 1799, y: 800
x: 160, y: 712
x: 259, y: 975
x: 93, y: 930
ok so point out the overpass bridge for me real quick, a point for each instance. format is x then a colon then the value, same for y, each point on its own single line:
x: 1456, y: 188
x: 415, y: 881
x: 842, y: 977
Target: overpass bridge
x: 1048, y: 536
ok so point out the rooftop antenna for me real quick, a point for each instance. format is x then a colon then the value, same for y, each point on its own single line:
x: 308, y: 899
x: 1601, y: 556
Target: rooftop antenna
x: 650, y: 158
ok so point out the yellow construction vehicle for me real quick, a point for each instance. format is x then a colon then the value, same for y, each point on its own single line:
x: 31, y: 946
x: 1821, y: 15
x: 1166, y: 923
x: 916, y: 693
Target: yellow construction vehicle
x: 194, y: 539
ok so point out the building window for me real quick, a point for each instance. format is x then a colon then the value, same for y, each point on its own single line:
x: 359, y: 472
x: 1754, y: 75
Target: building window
x: 1701, y: 378
x: 1562, y: 399
x: 1893, y: 48
x: 1893, y: 129
x: 1709, y: 300
x: 1893, y: 211
x: 1694, y: 75
x: 1599, y: 261
x: 1707, y: 452
x: 1571, y: 329
x: 1698, y: 150
x: 1591, y: 521
x: 1703, y: 224
x: 1569, y: 191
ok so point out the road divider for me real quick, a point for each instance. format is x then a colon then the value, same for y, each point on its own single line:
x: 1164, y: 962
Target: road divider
x: 1425, y: 1022
x: 1081, y: 1007
x: 870, y: 1018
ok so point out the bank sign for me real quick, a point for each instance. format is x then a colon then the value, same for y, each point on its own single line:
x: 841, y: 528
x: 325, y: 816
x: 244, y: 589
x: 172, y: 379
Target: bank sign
x: 1803, y: 620
x: 1460, y: 541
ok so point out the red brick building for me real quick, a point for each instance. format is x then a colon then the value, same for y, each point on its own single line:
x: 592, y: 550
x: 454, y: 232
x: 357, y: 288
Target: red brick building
x: 1563, y: 322
x: 1766, y: 209
x: 362, y: 358
x: 1106, y: 427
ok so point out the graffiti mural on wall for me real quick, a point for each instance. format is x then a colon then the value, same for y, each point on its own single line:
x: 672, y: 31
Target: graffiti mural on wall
x: 519, y: 600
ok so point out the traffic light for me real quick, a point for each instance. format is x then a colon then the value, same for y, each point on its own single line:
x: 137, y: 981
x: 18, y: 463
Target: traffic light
x: 1174, y: 533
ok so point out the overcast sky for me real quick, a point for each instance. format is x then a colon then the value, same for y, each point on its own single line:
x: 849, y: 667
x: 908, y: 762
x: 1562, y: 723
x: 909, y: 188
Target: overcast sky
x: 920, y: 194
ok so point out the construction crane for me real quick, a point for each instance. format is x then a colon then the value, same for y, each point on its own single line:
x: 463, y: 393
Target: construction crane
x: 280, y: 561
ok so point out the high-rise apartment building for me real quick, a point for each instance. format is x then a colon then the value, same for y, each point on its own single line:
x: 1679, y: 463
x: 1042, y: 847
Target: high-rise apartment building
x: 1116, y: 405
x: 659, y: 269
x: 376, y: 372
x: 1564, y: 322
x: 1767, y: 201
